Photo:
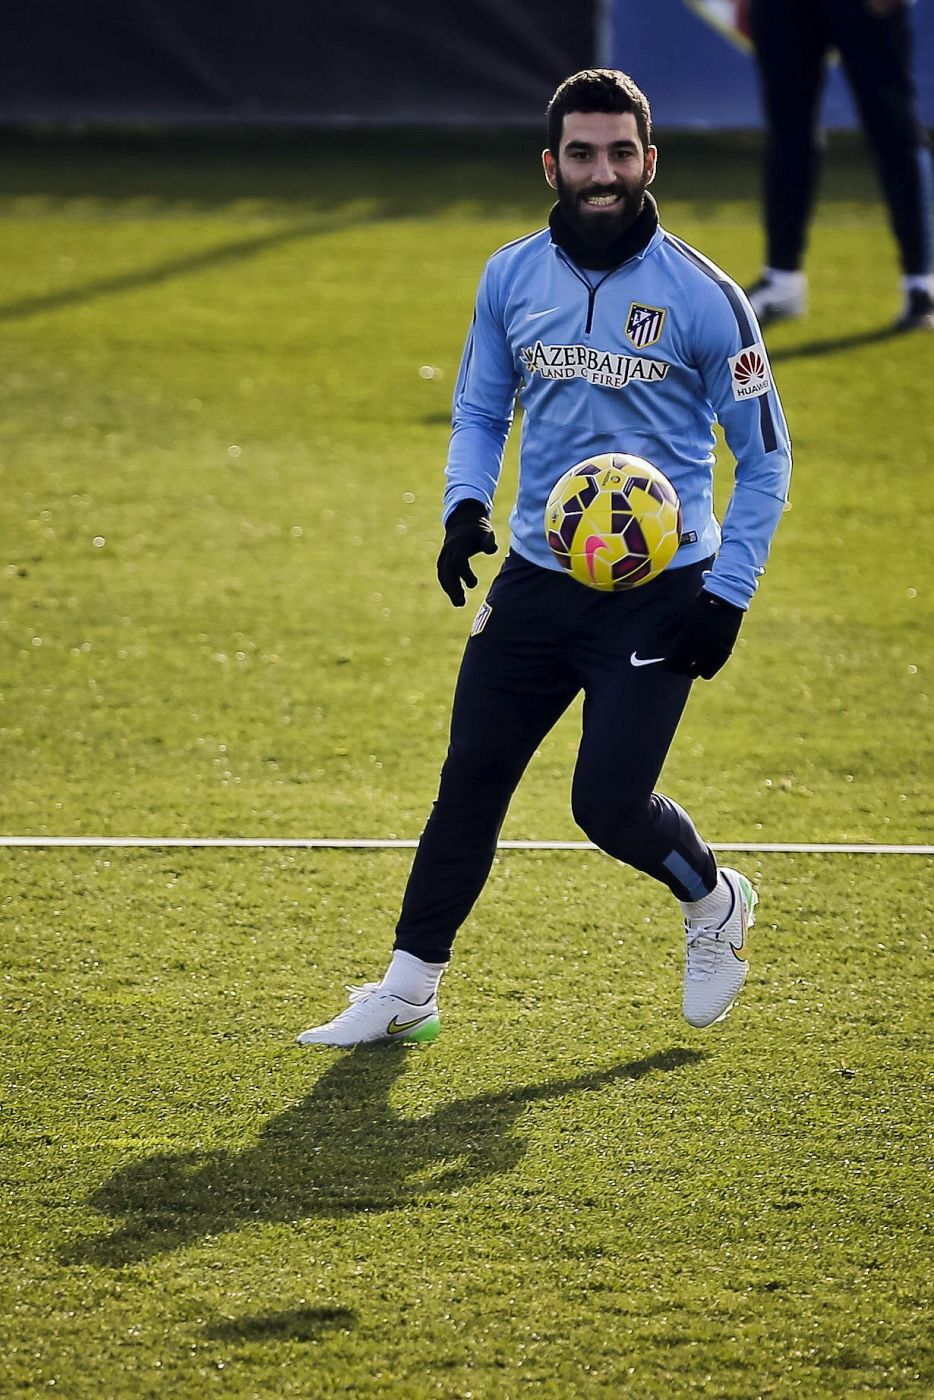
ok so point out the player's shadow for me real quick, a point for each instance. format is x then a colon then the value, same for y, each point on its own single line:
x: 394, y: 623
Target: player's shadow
x: 834, y: 344
x: 293, y: 1325
x: 341, y: 1150
x: 234, y: 251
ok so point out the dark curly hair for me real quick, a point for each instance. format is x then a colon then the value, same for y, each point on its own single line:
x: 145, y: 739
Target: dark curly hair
x: 598, y: 90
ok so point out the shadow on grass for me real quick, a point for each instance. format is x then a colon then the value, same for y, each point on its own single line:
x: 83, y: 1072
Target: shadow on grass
x: 234, y: 251
x: 341, y: 1150
x: 294, y: 1325
x: 834, y: 345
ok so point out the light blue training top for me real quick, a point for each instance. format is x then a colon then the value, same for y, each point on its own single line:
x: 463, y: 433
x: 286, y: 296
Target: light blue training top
x: 642, y: 359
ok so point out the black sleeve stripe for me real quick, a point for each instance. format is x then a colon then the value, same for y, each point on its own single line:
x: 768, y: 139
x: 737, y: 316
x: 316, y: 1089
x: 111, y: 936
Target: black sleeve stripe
x: 766, y: 420
x: 736, y: 306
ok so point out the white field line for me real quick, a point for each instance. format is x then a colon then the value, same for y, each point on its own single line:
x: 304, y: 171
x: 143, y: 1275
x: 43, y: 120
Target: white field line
x: 340, y: 844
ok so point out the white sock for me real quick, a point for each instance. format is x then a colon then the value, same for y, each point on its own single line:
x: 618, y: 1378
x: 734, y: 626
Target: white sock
x: 411, y: 979
x: 920, y: 282
x: 783, y: 280
x: 712, y: 907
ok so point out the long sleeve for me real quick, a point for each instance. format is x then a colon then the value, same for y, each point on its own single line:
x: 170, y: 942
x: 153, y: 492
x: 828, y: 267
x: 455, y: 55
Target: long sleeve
x: 484, y: 402
x: 739, y: 382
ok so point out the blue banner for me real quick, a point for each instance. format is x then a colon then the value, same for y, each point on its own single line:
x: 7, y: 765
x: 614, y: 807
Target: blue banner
x: 690, y: 58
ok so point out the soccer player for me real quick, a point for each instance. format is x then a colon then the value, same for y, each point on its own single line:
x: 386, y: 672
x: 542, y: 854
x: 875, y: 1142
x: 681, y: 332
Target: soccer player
x: 792, y: 40
x: 602, y: 284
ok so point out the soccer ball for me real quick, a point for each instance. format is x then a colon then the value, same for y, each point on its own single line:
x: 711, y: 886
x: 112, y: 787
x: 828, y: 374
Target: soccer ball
x: 613, y: 521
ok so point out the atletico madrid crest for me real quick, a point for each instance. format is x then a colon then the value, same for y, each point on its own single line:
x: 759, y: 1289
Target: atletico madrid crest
x: 644, y: 324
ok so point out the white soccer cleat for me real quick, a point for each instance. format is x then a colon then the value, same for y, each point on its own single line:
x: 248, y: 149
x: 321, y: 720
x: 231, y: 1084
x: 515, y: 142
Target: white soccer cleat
x: 918, y: 311
x: 781, y: 299
x: 717, y: 955
x: 375, y: 1015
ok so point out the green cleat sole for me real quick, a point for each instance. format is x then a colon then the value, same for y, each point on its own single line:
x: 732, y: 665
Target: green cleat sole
x: 426, y: 1033
x: 751, y: 896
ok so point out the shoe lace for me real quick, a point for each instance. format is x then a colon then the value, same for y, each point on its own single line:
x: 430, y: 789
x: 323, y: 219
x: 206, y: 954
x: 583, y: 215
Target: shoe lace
x: 704, y: 948
x: 357, y: 997
x: 360, y: 993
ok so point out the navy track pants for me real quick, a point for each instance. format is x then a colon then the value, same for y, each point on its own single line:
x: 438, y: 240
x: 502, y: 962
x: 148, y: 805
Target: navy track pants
x: 793, y: 39
x: 541, y: 638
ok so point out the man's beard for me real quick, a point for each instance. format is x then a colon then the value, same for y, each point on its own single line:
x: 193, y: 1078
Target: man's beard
x: 597, y: 229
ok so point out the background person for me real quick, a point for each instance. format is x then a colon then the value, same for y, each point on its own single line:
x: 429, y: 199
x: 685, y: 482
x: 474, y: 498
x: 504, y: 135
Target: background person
x: 792, y: 41
x: 605, y: 277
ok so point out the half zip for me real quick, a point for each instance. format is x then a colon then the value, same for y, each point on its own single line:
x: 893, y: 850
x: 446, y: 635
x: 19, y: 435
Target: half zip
x: 592, y: 288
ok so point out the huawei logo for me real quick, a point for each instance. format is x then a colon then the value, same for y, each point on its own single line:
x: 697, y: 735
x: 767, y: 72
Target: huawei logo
x: 750, y: 373
x: 750, y: 365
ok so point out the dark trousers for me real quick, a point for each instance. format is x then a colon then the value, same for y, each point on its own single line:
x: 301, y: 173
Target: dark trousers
x: 544, y: 639
x: 792, y: 40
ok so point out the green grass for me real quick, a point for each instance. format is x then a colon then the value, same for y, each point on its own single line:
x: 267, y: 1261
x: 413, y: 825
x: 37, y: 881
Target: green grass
x: 570, y: 1189
x: 220, y: 470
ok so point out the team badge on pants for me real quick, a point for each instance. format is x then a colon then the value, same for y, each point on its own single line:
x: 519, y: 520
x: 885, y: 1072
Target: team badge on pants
x: 481, y: 620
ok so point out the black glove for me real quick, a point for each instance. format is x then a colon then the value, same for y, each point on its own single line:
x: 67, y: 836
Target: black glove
x: 467, y: 532
x: 707, y: 635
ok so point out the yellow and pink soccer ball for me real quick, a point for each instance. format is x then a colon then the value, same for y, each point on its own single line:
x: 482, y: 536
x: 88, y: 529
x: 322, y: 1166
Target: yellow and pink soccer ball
x: 613, y: 521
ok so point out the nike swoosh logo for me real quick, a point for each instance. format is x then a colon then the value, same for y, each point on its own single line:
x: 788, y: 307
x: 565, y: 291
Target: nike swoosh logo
x: 396, y: 1027
x: 593, y: 546
x: 635, y: 660
x: 742, y: 952
x: 534, y: 315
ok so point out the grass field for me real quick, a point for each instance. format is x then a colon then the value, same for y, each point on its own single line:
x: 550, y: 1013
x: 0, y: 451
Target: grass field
x: 220, y: 472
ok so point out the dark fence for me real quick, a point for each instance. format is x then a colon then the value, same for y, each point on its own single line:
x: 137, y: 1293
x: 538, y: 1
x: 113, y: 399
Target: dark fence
x: 354, y: 62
